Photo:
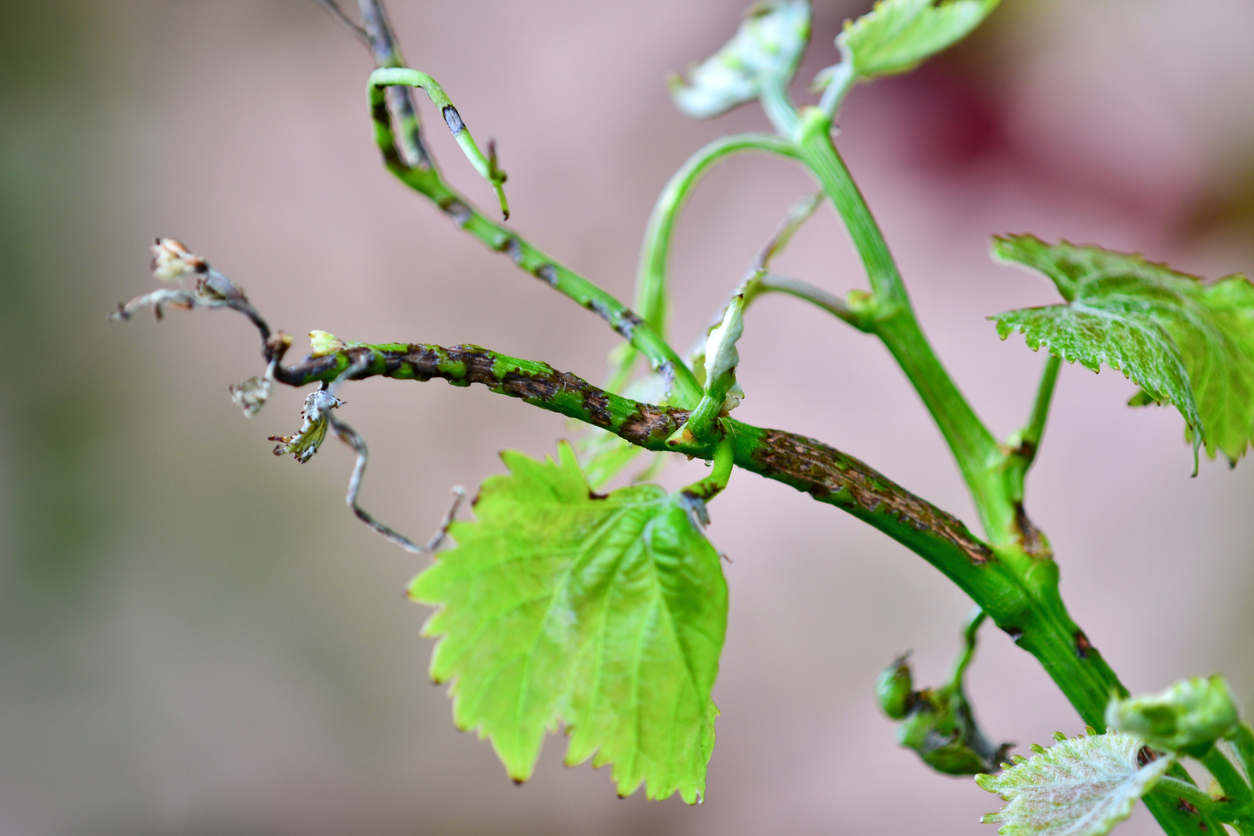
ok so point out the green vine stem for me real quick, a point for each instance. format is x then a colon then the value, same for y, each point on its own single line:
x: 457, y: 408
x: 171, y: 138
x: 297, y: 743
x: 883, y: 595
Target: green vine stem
x: 969, y: 640
x: 1023, y: 445
x: 817, y: 296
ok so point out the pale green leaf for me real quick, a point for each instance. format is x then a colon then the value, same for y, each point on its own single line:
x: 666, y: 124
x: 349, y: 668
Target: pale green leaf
x: 1182, y: 340
x: 896, y: 35
x: 769, y: 43
x: 1080, y: 786
x: 603, y: 613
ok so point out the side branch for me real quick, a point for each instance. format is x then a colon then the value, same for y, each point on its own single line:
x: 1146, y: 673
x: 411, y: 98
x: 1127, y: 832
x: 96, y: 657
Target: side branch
x: 806, y: 464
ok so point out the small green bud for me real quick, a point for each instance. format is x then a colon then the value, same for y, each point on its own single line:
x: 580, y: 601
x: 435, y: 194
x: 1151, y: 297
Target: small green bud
x: 322, y: 343
x: 895, y: 688
x: 1188, y: 717
x: 941, y: 728
x: 721, y: 357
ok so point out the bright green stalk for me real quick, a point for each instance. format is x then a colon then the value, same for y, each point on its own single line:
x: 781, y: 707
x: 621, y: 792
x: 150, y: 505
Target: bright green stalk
x: 655, y: 250
x: 969, y: 635
x: 817, y: 296
x: 651, y: 285
x: 1243, y: 744
x: 712, y: 485
x: 1040, y: 409
x: 1184, y: 790
x: 387, y: 53
x: 1025, y: 444
x: 1223, y: 771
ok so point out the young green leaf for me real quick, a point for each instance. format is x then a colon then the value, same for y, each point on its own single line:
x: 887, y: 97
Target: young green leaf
x: 897, y: 35
x: 769, y: 43
x: 1188, y: 717
x: 1181, y: 340
x: 604, y: 613
x: 1080, y: 786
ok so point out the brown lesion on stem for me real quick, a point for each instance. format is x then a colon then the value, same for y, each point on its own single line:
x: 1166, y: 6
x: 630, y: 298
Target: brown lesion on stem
x: 1030, y: 537
x: 1082, y: 644
x: 820, y: 470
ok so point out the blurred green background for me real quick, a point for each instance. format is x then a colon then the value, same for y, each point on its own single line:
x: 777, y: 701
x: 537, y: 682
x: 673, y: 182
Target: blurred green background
x: 198, y: 638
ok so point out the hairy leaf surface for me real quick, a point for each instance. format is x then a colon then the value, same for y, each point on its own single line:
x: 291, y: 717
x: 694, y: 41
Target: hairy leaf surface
x: 1180, y: 339
x: 603, y: 613
x: 897, y: 35
x: 769, y: 43
x: 1080, y: 786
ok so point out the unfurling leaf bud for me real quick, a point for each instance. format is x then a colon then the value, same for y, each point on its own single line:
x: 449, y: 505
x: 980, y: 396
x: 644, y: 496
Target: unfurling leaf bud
x: 895, y: 688
x: 721, y: 357
x: 309, y: 438
x: 941, y: 727
x: 1188, y: 717
x: 322, y: 343
x: 768, y: 45
x: 172, y: 260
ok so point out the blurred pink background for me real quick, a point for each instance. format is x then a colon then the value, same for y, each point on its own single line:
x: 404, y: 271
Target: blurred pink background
x: 197, y: 637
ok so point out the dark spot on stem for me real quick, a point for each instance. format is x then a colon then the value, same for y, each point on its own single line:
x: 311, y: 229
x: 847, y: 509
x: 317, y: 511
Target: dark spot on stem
x: 596, y: 404
x: 1185, y: 807
x: 667, y: 372
x: 1014, y: 632
x: 1082, y: 645
x: 528, y: 387
x: 453, y: 119
x: 595, y: 495
x: 1029, y: 535
x: 458, y: 211
x: 651, y: 425
x: 546, y: 273
x: 626, y: 323
x: 1026, y: 450
x: 599, y: 308
x: 510, y: 244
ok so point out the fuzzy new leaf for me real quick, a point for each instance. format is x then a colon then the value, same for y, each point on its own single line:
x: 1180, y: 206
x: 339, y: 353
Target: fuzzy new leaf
x: 897, y: 35
x: 1081, y: 786
x: 769, y: 43
x: 1181, y: 340
x: 603, y: 613
x: 1188, y: 717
